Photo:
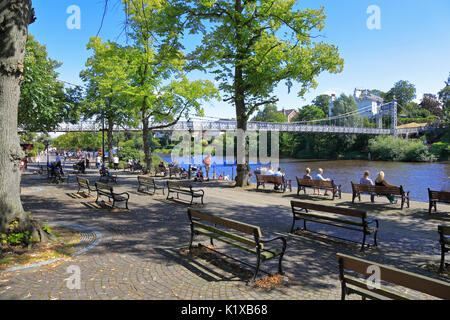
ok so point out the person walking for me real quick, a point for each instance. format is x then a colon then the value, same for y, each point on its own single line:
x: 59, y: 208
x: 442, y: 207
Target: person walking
x: 116, y: 162
x: 99, y: 161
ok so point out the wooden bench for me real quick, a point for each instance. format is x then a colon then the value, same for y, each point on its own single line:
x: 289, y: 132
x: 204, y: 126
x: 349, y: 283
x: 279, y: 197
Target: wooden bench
x: 444, y: 240
x: 437, y: 196
x: 105, y: 177
x: 240, y: 235
x: 126, y: 166
x: 57, y: 177
x: 302, y: 184
x: 174, y: 171
x: 392, y: 191
x: 366, y: 288
x: 184, y: 188
x: 261, y: 180
x: 162, y: 170
x: 83, y: 183
x: 107, y: 191
x: 353, y: 219
x: 148, y: 182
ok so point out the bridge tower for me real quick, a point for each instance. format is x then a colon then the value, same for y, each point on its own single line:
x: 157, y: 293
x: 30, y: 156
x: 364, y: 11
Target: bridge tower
x: 393, y: 108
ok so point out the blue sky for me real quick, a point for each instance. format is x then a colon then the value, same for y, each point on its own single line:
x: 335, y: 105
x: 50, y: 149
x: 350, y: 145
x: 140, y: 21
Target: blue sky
x: 413, y: 44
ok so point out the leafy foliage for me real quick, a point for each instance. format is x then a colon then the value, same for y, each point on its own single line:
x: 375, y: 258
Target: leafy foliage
x: 390, y: 149
x: 44, y: 103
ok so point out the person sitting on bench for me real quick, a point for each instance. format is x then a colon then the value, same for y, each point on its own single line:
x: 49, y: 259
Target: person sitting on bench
x: 199, y: 176
x: 319, y: 176
x: 366, y: 180
x: 379, y: 181
x: 278, y: 174
x: 307, y: 174
x: 81, y: 166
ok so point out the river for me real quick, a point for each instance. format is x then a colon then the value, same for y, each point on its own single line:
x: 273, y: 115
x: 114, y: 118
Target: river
x: 414, y: 177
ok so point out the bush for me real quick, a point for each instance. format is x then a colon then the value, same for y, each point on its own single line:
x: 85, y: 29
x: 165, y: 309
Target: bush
x: 390, y: 149
x: 441, y: 150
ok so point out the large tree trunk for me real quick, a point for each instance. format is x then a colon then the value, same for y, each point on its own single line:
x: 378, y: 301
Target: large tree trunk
x: 15, y: 16
x: 241, y: 110
x: 241, y: 116
x: 146, y: 141
x: 110, y: 139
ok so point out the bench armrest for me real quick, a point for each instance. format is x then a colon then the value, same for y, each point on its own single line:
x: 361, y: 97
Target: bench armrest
x: 121, y: 194
x: 372, y: 221
x: 198, y: 190
x: 275, y: 238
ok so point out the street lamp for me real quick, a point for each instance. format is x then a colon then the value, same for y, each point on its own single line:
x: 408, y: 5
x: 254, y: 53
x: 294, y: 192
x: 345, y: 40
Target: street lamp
x: 190, y: 126
x: 103, y: 137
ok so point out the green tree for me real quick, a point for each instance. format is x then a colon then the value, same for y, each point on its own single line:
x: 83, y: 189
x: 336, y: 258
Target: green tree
x: 322, y: 102
x: 106, y: 76
x: 270, y: 114
x: 43, y: 101
x: 308, y: 113
x: 154, y: 61
x: 252, y: 46
x: 403, y: 91
x: 15, y: 16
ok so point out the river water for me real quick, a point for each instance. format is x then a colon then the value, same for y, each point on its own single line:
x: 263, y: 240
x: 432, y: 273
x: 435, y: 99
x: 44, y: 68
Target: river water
x: 414, y: 177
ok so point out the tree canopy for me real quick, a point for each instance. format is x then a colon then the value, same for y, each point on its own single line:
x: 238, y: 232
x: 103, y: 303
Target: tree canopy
x: 44, y: 102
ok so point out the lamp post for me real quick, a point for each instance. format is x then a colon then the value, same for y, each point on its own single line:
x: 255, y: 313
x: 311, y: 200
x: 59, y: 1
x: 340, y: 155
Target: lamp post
x: 103, y: 137
x: 189, y: 123
x: 46, y: 146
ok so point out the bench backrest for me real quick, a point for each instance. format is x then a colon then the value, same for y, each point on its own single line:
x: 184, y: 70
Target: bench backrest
x: 174, y: 170
x: 367, y: 188
x: 444, y: 230
x: 297, y: 205
x: 265, y: 178
x: 103, y: 188
x: 244, y: 228
x: 314, y: 183
x: 439, y: 195
x: 179, y: 185
x: 392, y: 275
x: 145, y: 180
x: 83, y: 182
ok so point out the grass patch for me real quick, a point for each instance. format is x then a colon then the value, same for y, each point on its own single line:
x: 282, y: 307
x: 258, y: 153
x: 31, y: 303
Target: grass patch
x: 63, y: 247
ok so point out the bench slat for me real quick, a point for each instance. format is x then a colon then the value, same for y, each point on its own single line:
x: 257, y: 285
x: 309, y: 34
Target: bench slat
x: 342, y: 211
x: 228, y: 223
x: 402, y: 278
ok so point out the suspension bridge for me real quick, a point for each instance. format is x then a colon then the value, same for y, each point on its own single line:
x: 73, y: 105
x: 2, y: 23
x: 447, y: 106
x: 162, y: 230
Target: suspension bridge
x: 354, y: 122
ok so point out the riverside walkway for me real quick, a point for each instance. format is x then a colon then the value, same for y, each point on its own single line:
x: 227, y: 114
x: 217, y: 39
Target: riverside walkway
x: 139, y: 254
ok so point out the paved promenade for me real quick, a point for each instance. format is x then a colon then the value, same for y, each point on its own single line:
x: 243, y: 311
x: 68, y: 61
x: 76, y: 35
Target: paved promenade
x: 140, y: 254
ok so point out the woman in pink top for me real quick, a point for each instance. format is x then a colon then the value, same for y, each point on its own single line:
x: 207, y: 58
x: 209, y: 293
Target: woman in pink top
x: 207, y: 163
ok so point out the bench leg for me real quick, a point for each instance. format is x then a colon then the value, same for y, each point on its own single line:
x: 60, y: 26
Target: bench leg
x: 192, y: 238
x: 441, y: 267
x: 280, y: 260
x: 375, y: 238
x: 363, y: 242
x: 293, y: 225
x: 258, y: 263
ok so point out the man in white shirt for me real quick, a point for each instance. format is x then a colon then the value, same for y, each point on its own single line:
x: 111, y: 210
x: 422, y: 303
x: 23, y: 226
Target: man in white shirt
x: 116, y: 162
x: 319, y: 176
